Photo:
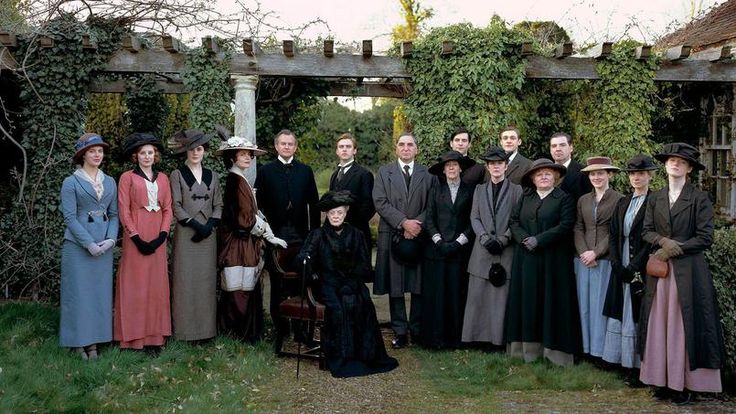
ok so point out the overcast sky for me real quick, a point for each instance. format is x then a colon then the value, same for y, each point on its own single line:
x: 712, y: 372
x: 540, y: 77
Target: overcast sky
x: 585, y: 20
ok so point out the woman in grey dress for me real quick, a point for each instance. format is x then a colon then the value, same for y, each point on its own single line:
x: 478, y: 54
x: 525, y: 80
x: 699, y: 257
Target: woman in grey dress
x: 490, y: 259
x: 90, y: 207
x: 197, y: 203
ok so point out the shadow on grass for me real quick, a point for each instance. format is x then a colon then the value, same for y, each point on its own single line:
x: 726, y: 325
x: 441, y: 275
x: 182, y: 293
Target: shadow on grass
x: 37, y: 375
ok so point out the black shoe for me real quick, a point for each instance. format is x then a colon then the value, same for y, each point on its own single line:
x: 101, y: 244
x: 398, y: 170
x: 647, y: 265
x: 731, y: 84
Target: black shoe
x: 682, y: 398
x: 400, y: 341
x: 663, y: 393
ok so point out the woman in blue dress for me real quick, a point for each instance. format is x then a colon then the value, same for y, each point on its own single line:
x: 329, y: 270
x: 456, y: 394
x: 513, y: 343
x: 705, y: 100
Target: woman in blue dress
x: 89, y: 205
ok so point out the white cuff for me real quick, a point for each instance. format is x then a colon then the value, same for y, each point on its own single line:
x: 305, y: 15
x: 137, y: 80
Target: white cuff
x: 436, y: 238
x: 462, y: 239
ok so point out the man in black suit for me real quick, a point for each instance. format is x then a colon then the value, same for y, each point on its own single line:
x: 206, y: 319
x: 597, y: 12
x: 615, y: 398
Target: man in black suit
x: 510, y: 140
x: 461, y: 141
x: 574, y: 183
x: 355, y: 178
x: 287, y: 195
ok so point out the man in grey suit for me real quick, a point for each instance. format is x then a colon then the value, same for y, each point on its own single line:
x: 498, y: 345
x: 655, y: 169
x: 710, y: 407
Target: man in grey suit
x: 510, y: 141
x: 400, y: 195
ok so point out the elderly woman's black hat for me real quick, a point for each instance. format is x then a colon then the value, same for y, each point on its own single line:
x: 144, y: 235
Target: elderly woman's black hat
x: 334, y: 199
x: 681, y: 150
x: 463, y: 161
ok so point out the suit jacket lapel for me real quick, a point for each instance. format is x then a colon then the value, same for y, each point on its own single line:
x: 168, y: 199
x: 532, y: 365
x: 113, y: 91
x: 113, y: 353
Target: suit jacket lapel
x: 416, y: 178
x: 87, y: 187
x: 349, y: 176
x: 397, y: 178
x: 683, y: 201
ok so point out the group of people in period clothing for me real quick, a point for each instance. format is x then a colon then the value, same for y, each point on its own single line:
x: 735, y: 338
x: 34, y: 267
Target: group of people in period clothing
x: 535, y: 258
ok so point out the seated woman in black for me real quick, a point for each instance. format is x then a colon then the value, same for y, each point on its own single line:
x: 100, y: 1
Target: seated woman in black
x: 340, y: 261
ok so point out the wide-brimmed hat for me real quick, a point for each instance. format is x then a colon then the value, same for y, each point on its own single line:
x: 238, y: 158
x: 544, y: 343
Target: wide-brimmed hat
x: 85, y: 142
x: 681, y: 150
x: 438, y: 168
x: 334, y: 199
x: 239, y: 143
x: 187, y: 140
x: 599, y: 163
x: 138, y: 139
x: 495, y: 154
x: 640, y: 162
x: 538, y: 165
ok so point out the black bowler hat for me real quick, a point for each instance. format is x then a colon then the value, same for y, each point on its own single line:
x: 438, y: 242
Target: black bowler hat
x: 681, y: 150
x: 138, y: 139
x: 334, y: 199
x: 405, y: 251
x: 640, y: 162
x: 526, y: 180
x: 495, y: 154
x: 464, y: 162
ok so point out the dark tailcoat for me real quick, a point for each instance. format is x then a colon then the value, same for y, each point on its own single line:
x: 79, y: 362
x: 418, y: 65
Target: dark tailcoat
x: 542, y: 303
x: 359, y: 181
x: 575, y: 182
x: 517, y: 168
x: 395, y: 204
x: 276, y: 190
x: 638, y: 255
x: 474, y: 175
x: 690, y: 222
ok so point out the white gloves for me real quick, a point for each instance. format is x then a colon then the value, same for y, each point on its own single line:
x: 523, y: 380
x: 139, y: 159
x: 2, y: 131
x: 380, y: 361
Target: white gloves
x: 263, y: 229
x: 269, y: 236
x: 94, y: 249
x: 260, y: 227
x: 106, y: 244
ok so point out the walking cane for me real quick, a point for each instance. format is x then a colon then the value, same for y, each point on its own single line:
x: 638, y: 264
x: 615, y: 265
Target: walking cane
x: 301, y: 313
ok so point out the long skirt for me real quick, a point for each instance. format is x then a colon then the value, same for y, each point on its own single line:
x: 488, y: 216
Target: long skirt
x: 444, y: 290
x: 240, y: 314
x: 485, y: 312
x: 592, y: 284
x: 86, y: 297
x: 665, y: 362
x: 620, y: 343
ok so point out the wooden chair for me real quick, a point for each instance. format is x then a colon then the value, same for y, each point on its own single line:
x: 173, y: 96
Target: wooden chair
x: 301, y: 307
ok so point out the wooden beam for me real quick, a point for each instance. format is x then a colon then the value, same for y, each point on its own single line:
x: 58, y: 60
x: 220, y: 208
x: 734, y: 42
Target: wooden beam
x: 46, y: 42
x: 380, y: 90
x: 677, y: 53
x: 329, y: 48
x: 170, y: 44
x: 289, y: 48
x: 448, y: 47
x: 131, y: 43
x: 601, y: 50
x: 338, y: 66
x: 251, y: 47
x: 726, y: 54
x: 563, y: 50
x: 87, y: 43
x: 210, y: 43
x: 367, y: 48
x: 406, y: 48
x: 9, y: 40
x: 145, y: 61
x: 527, y: 48
x: 642, y: 52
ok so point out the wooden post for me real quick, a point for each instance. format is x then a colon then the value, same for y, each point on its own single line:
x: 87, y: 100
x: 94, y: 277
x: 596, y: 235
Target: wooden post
x: 251, y: 47
x: 724, y: 55
x: 9, y: 40
x: 170, y: 44
x: 677, y: 53
x: 211, y: 45
x: 602, y: 50
x: 367, y: 48
x: 329, y: 48
x: 527, y: 49
x: 289, y: 48
x: 448, y: 47
x: 359, y: 81
x: 642, y: 52
x: 406, y: 48
x: 46, y: 42
x: 563, y: 50
x: 87, y: 43
x: 131, y: 43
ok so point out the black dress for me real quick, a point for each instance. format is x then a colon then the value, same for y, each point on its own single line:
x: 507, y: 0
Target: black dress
x: 351, y: 338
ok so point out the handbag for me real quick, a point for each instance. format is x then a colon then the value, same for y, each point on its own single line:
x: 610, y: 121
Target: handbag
x: 657, y: 267
x: 497, y: 275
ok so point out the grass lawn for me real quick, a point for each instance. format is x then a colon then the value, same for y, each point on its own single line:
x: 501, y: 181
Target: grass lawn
x: 36, y: 375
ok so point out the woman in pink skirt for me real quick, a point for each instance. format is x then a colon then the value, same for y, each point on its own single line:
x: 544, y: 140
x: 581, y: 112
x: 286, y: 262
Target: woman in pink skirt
x: 681, y: 339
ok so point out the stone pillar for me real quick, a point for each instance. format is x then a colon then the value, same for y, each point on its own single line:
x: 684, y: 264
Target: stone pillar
x: 245, y: 114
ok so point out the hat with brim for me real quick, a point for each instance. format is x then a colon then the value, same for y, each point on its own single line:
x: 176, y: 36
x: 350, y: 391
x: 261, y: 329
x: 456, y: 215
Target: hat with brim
x: 238, y: 143
x: 138, y: 139
x: 334, y: 199
x: 640, y: 162
x: 540, y: 164
x: 187, y: 140
x: 681, y: 150
x: 463, y: 161
x: 495, y: 154
x: 85, y: 142
x: 599, y: 163
x: 407, y: 252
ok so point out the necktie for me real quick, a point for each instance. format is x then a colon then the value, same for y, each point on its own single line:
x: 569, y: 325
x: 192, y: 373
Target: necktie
x: 340, y: 173
x: 407, y: 177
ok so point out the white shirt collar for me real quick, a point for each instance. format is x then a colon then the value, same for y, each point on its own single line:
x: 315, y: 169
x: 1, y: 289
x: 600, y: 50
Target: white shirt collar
x: 567, y: 163
x: 285, y: 161
x: 512, y: 156
x: 347, y: 164
x: 543, y: 194
x: 402, y: 164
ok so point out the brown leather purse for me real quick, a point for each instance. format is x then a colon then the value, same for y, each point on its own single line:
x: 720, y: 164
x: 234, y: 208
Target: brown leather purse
x: 657, y: 267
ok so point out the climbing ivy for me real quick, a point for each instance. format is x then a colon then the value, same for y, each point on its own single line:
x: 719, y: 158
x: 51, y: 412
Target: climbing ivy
x: 53, y: 97
x: 208, y: 82
x: 478, y: 86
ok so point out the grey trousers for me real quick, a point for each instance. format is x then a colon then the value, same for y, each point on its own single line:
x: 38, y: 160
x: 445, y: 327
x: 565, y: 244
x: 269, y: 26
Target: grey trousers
x: 399, y: 322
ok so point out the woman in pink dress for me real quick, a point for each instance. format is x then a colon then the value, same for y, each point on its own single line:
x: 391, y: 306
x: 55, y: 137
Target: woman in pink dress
x: 142, y: 313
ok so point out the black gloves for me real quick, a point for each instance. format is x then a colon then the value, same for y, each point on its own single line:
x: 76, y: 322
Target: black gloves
x: 144, y: 247
x: 448, y: 248
x: 158, y: 241
x: 494, y: 246
x: 202, y: 231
